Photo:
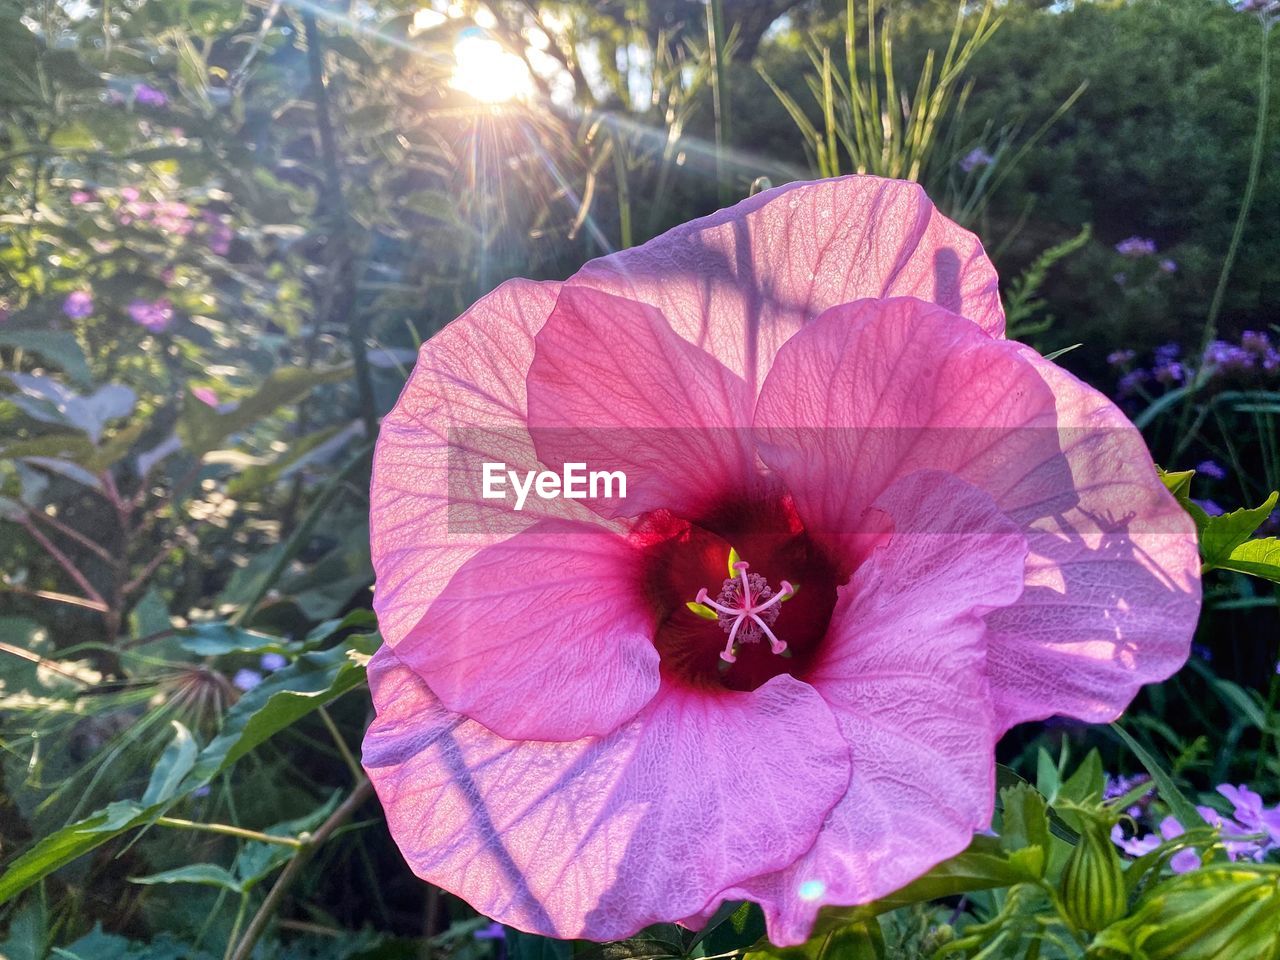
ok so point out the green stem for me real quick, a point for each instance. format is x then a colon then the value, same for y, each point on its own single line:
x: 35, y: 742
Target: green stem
x: 227, y: 830
x: 1246, y: 202
x: 719, y: 93
x: 347, y: 757
x: 244, y: 949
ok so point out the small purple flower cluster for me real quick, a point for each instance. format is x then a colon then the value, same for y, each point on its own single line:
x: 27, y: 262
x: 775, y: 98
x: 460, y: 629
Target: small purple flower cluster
x: 155, y: 315
x: 1250, y: 833
x: 1117, y: 787
x: 975, y: 158
x: 246, y: 679
x: 1255, y: 353
x: 1136, y: 247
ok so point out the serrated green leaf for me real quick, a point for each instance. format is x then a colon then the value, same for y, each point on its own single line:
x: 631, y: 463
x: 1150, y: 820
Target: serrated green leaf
x: 1025, y: 821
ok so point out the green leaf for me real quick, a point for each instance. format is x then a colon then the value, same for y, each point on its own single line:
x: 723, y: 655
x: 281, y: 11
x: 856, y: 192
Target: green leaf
x: 733, y: 926
x: 218, y: 639
x: 202, y: 428
x: 1183, y: 809
x: 983, y: 866
x: 1220, y: 536
x: 1258, y: 558
x: 1086, y: 783
x: 58, y: 347
x: 175, y: 763
x: 1025, y: 825
x: 286, y: 696
x: 1007, y: 777
x: 861, y: 941
x: 1178, y: 482
x: 313, y: 680
x: 207, y: 874
x: 73, y: 840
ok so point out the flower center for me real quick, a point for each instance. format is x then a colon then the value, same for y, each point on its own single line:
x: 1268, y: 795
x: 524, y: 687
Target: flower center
x: 746, y: 608
x: 766, y: 619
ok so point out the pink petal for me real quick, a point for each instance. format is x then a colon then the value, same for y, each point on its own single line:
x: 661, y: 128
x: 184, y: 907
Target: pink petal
x: 875, y: 390
x: 546, y: 636
x: 1113, y: 580
x: 613, y: 386
x: 740, y: 282
x: 872, y: 391
x: 600, y: 837
x: 464, y: 405
x: 906, y: 679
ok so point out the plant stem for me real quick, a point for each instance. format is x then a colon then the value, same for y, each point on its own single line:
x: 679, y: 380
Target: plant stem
x: 1246, y: 201
x: 227, y: 830
x: 342, y: 305
x: 347, y: 757
x: 243, y: 950
x: 716, y: 47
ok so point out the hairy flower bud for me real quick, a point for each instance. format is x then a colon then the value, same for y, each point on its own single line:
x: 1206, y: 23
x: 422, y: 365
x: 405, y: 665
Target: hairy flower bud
x: 1092, y: 884
x: 1219, y: 912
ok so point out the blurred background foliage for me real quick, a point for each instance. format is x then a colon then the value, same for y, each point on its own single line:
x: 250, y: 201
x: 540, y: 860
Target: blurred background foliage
x: 225, y: 228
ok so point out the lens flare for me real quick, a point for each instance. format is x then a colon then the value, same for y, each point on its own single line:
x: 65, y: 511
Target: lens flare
x: 488, y: 71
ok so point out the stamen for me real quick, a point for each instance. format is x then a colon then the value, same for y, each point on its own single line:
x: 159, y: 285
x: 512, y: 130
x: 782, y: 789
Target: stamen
x: 747, y: 606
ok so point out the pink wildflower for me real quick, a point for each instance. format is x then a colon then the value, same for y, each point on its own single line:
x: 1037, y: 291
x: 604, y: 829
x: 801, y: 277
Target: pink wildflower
x: 78, y: 305
x: 155, y: 315
x: 863, y: 536
x: 205, y: 395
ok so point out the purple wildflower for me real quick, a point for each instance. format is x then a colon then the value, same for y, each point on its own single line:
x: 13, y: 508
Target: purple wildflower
x: 1172, y: 372
x: 219, y: 233
x: 149, y: 96
x: 246, y: 680
x: 155, y: 315
x: 1168, y: 265
x: 1136, y: 247
x: 1211, y: 469
x: 494, y: 931
x: 1210, y: 507
x: 78, y: 305
x: 1255, y: 341
x: 1227, y: 356
x: 975, y: 158
x: 1130, y: 382
x: 1167, y: 352
x: 271, y: 662
x: 1120, y: 358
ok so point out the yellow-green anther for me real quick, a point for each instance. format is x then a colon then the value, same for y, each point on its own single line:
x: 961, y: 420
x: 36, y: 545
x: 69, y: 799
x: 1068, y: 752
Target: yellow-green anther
x: 702, y: 610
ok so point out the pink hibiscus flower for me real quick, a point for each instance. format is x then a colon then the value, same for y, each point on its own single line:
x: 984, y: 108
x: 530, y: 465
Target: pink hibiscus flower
x: 863, y: 535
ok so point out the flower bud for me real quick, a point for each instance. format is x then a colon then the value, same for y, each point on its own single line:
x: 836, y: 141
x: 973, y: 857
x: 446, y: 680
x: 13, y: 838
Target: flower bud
x: 1092, y: 884
x: 1219, y: 912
